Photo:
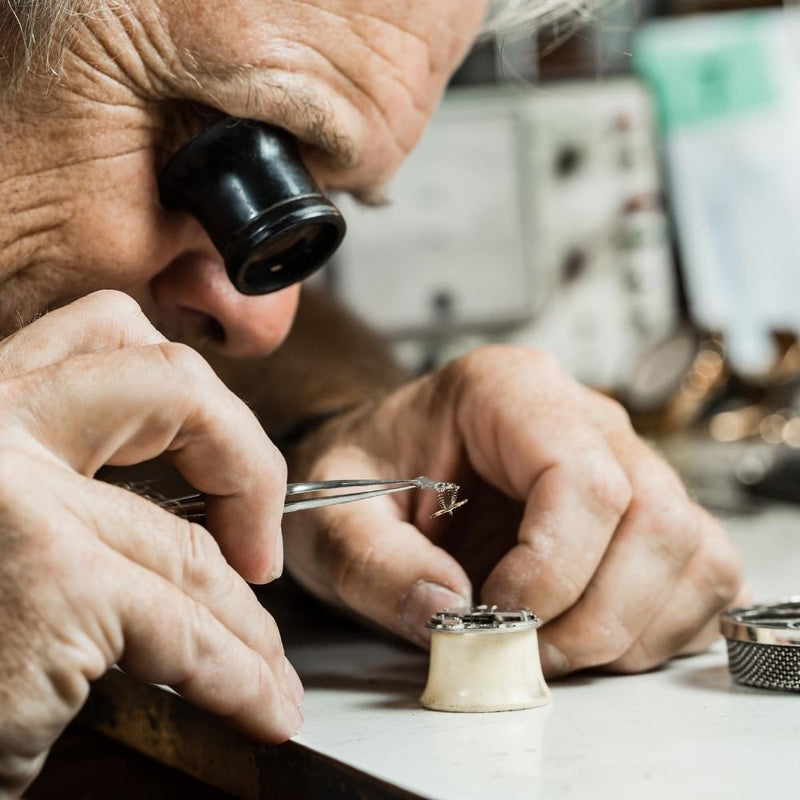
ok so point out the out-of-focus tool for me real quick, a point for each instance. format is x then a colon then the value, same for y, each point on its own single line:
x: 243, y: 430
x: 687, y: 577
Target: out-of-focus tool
x: 484, y: 659
x: 764, y: 644
x: 193, y: 506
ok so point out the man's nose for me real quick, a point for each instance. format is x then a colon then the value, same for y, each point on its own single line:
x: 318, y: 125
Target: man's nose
x: 197, y: 293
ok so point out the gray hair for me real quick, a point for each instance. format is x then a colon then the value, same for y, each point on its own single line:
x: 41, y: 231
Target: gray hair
x: 519, y: 17
x: 34, y: 33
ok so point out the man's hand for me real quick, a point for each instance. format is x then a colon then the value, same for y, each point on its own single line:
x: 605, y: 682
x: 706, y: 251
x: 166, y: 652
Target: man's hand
x: 92, y: 575
x: 570, y: 515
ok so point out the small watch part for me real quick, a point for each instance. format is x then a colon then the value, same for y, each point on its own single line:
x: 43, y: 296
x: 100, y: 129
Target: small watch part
x: 484, y: 659
x: 448, y: 498
x: 483, y: 618
x: 764, y: 644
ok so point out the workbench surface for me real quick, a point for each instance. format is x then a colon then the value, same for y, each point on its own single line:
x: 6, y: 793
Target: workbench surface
x: 683, y: 731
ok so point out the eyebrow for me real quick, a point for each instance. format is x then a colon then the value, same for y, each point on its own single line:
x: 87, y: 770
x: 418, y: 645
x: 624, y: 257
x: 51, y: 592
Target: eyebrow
x: 298, y: 111
x: 319, y: 131
x: 314, y: 124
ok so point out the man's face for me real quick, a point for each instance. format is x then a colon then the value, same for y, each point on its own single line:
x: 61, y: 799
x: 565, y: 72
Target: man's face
x: 354, y: 80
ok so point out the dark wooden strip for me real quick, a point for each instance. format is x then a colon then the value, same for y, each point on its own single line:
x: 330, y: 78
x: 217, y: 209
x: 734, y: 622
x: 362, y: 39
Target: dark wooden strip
x: 165, y: 727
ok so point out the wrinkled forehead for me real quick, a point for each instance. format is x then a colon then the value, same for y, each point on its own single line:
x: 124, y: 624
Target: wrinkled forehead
x: 387, y: 24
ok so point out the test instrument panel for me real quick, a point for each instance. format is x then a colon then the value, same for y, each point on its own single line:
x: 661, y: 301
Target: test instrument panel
x: 530, y: 215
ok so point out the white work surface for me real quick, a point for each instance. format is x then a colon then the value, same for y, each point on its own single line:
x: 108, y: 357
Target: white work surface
x: 684, y: 731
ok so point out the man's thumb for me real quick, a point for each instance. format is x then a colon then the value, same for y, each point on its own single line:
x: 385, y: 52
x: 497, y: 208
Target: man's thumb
x: 387, y: 570
x: 422, y: 600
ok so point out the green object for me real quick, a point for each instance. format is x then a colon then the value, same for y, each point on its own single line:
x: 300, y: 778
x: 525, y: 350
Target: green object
x: 709, y: 67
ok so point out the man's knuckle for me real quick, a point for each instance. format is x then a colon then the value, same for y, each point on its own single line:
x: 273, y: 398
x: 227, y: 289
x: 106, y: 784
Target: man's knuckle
x: 201, y: 559
x: 614, y: 414
x: 562, y: 581
x: 126, y: 319
x: 606, y: 482
x: 595, y: 636
x: 276, y: 467
x: 16, y: 393
x: 612, y: 640
x: 542, y: 362
x: 184, y: 361
x: 723, y: 571
x: 509, y: 360
x: 564, y: 587
x: 270, y: 641
x: 529, y: 360
x: 675, y: 525
x: 113, y: 302
x: 604, y: 647
x: 200, y: 637
x: 637, y: 659
x: 697, y: 641
x: 480, y: 357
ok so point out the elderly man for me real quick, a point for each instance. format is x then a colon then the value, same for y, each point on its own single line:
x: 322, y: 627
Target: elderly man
x: 571, y: 515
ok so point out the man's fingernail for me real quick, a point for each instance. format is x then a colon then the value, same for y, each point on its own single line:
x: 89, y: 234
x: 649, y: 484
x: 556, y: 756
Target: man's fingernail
x: 554, y: 662
x: 420, y: 603
x: 277, y: 566
x: 293, y: 683
x: 293, y: 715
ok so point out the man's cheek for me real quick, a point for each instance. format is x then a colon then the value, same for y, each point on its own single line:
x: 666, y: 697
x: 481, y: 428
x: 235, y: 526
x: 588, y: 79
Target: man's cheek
x: 118, y: 227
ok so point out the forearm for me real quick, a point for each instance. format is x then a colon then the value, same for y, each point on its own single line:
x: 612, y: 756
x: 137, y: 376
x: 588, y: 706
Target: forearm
x: 331, y: 361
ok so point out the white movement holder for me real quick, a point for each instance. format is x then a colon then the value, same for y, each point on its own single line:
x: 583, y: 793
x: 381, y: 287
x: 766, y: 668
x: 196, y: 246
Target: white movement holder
x: 483, y: 659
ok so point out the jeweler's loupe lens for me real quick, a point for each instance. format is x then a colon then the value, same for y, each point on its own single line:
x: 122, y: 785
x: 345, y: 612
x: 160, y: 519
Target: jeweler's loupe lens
x: 246, y: 184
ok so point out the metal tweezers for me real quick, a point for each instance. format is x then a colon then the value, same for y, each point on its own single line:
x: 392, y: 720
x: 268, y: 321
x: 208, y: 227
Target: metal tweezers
x: 193, y: 506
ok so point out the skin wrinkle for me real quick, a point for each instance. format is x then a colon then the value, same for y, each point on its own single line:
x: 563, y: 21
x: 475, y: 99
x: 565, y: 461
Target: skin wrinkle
x: 54, y: 38
x: 81, y: 162
x: 184, y: 63
x: 360, y: 566
x: 402, y: 148
x: 70, y: 99
x: 28, y: 205
x: 319, y: 126
x: 542, y: 555
x: 351, y: 24
x: 290, y: 87
x: 139, y: 78
x: 392, y: 24
x: 665, y: 543
x: 109, y: 645
x: 131, y: 84
x: 136, y: 31
x: 545, y: 537
x: 719, y: 579
x: 30, y: 233
x: 30, y: 251
x: 358, y: 85
x: 431, y: 68
x: 415, y: 104
x: 500, y: 477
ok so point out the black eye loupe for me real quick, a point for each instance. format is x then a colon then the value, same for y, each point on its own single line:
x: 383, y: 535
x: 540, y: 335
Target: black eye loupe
x: 245, y: 182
